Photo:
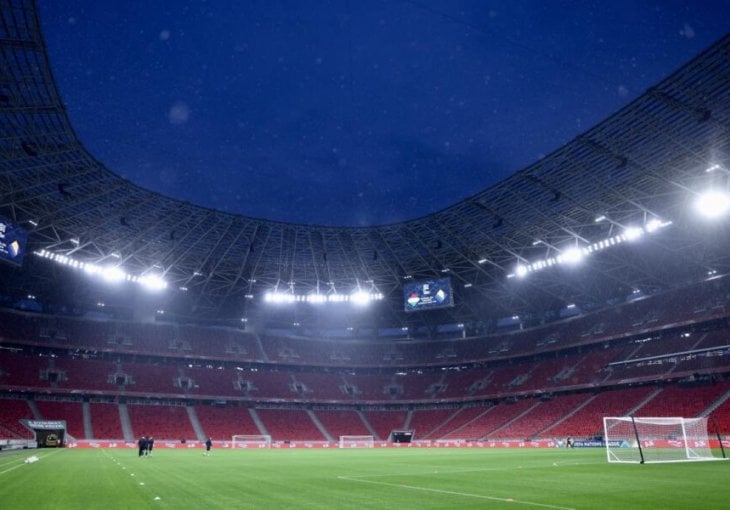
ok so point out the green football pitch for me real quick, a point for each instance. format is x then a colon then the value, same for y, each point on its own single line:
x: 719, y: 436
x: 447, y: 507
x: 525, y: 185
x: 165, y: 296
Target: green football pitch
x: 529, y: 479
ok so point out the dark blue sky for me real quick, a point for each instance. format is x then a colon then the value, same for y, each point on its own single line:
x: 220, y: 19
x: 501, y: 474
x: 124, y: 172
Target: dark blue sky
x: 353, y: 112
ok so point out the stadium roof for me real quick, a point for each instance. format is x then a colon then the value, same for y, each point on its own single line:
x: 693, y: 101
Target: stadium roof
x: 646, y: 162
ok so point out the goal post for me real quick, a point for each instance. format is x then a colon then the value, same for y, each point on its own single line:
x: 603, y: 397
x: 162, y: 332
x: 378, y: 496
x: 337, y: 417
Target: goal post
x: 646, y: 440
x: 250, y: 441
x: 357, y: 442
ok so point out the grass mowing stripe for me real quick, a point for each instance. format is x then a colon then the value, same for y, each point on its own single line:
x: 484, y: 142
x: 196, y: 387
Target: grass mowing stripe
x: 449, y: 471
x: 377, y: 479
x: 456, y: 493
x: 22, y: 463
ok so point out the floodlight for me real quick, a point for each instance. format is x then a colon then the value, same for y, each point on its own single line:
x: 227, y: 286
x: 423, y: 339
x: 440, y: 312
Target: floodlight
x: 113, y: 274
x: 572, y: 255
x: 360, y: 297
x: 521, y: 271
x: 633, y: 233
x: 652, y: 225
x: 152, y: 282
x: 316, y: 298
x: 712, y: 204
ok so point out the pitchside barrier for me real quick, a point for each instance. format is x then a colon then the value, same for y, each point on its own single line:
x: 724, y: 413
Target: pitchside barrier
x: 161, y: 444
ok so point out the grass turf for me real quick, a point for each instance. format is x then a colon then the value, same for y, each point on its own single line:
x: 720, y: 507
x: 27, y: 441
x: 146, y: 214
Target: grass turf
x: 355, y: 479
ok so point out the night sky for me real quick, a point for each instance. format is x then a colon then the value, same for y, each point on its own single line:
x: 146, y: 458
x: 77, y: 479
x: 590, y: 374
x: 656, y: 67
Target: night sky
x: 353, y: 112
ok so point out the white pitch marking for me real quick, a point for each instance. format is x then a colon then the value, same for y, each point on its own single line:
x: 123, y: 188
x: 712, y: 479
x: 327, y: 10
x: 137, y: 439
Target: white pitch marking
x: 23, y: 463
x: 10, y: 469
x: 455, y: 493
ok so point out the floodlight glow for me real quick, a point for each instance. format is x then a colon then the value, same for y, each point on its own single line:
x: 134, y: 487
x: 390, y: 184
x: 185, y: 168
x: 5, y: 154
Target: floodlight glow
x: 279, y: 297
x: 360, y: 298
x: 153, y: 282
x: 633, y: 233
x: 572, y: 255
x: 113, y: 274
x: 316, y: 298
x: 652, y: 225
x: 521, y: 271
x: 712, y: 204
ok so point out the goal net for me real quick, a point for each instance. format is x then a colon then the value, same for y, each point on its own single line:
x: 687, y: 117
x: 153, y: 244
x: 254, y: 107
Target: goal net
x: 357, y: 442
x: 251, y: 441
x: 656, y: 439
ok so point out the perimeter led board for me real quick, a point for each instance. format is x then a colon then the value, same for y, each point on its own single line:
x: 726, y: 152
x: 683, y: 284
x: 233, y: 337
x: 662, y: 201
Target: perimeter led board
x: 427, y: 295
x: 12, y: 242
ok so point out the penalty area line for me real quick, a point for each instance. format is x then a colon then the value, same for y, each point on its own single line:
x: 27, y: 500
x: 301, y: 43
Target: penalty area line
x: 457, y: 493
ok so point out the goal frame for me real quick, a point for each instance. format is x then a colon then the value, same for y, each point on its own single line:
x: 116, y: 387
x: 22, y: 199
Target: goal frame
x: 361, y: 441
x: 250, y: 441
x: 657, y: 439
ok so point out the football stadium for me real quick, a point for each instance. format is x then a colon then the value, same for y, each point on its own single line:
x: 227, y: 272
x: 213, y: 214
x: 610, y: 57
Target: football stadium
x: 558, y: 340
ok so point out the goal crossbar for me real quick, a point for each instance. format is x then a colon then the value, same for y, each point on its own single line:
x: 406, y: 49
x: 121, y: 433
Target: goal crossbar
x: 357, y: 441
x: 655, y: 439
x: 250, y: 441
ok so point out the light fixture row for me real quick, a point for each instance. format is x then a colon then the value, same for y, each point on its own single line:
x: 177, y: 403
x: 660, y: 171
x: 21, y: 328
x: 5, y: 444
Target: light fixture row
x: 111, y: 274
x: 576, y: 254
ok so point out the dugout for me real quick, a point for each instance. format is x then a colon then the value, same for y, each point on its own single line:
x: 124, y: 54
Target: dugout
x: 48, y: 433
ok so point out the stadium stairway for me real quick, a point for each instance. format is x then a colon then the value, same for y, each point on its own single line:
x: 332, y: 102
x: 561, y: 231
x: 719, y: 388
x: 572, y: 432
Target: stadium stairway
x: 34, y: 408
x: 262, y: 352
x: 319, y: 425
x: 507, y: 424
x: 88, y: 429
x: 257, y: 420
x: 368, y: 426
x: 641, y: 404
x: 565, y: 416
x: 126, y: 423
x: 717, y: 403
x: 409, y: 419
x: 192, y: 415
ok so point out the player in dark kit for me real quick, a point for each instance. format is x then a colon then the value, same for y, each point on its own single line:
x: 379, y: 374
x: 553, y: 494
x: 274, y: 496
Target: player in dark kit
x: 142, y: 444
x: 208, y: 445
x: 150, y: 445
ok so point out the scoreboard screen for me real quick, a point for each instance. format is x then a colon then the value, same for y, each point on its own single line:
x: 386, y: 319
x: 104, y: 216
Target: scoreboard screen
x: 427, y: 295
x: 12, y: 242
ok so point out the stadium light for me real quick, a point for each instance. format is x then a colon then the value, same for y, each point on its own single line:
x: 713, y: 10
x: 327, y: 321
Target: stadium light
x: 113, y: 274
x: 576, y: 254
x: 521, y: 271
x: 712, y: 204
x: 152, y: 282
x: 633, y: 233
x: 360, y: 298
x: 571, y: 256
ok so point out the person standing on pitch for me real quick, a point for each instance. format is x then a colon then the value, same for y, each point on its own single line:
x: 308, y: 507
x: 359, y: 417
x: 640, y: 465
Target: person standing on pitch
x: 142, y: 444
x: 208, y: 445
